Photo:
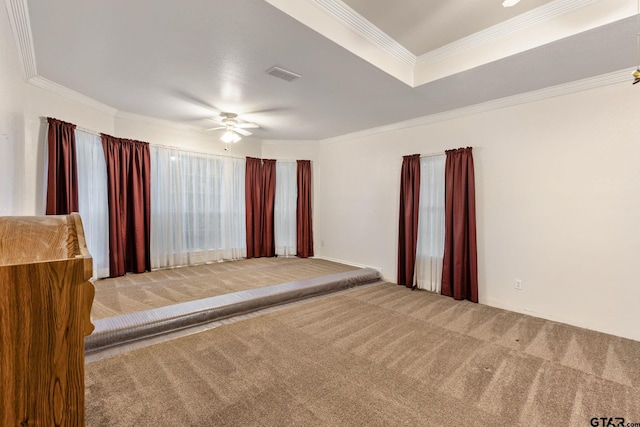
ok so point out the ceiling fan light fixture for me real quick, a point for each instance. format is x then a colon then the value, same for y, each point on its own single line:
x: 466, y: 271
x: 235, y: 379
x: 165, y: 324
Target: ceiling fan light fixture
x: 230, y: 136
x: 233, y: 127
x: 509, y: 3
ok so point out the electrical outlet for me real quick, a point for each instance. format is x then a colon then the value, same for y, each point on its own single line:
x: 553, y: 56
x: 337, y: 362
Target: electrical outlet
x: 519, y: 284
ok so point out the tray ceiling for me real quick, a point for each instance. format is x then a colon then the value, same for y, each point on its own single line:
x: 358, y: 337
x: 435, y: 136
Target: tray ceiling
x: 363, y: 64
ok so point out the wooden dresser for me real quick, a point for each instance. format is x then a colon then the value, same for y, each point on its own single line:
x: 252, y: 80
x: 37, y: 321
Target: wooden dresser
x: 45, y: 306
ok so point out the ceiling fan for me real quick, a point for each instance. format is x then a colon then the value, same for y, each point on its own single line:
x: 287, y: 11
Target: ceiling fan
x: 234, y: 127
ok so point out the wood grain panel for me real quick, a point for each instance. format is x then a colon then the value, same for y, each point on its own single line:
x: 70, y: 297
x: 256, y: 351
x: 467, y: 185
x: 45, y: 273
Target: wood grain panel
x: 42, y: 330
x: 45, y: 305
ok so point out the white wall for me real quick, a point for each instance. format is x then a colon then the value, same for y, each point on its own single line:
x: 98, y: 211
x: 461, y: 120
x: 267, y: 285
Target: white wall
x: 290, y: 150
x: 11, y: 121
x: 558, y: 203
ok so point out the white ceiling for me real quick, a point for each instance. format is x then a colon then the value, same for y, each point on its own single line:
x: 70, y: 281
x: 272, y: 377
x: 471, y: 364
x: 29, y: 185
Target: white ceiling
x: 363, y: 64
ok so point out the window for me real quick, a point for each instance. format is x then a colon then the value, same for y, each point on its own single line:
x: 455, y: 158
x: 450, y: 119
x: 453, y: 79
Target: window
x: 430, y: 250
x: 92, y: 199
x: 285, y: 208
x: 197, y: 208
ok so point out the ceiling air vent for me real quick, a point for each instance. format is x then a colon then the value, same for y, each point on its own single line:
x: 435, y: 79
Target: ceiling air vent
x: 283, y: 74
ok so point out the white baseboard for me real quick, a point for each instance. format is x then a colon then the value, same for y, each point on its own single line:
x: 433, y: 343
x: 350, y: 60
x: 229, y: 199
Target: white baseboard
x: 355, y: 264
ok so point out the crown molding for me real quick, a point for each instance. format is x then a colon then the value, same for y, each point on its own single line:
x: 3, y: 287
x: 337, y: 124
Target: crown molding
x: 547, y: 23
x: 18, y: 12
x: 339, y: 23
x: 72, y: 95
x: 541, y: 14
x: 607, y: 79
x: 359, y: 25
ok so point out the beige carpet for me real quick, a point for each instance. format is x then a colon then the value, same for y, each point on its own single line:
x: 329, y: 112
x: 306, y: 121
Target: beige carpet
x: 137, y: 292
x: 376, y: 355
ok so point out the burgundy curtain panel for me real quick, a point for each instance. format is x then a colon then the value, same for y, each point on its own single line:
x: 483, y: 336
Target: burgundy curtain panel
x: 269, y: 200
x: 304, y: 225
x: 460, y: 264
x: 62, y: 176
x: 128, y: 181
x: 408, y: 222
x: 253, y: 206
x: 260, y: 197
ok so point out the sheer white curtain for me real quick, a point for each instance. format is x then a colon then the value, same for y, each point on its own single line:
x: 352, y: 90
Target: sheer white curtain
x: 285, y: 208
x: 92, y: 199
x: 233, y: 225
x: 197, y: 208
x: 428, y: 274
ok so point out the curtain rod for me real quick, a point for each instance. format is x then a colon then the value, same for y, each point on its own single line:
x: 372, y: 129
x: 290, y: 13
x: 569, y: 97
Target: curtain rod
x: 212, y: 154
x: 196, y: 152
x: 161, y: 146
x: 92, y: 132
x: 431, y: 155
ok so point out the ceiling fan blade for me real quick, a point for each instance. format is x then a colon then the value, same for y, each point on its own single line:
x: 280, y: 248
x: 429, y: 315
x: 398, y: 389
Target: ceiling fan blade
x: 247, y: 125
x: 219, y: 127
x: 242, y: 131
